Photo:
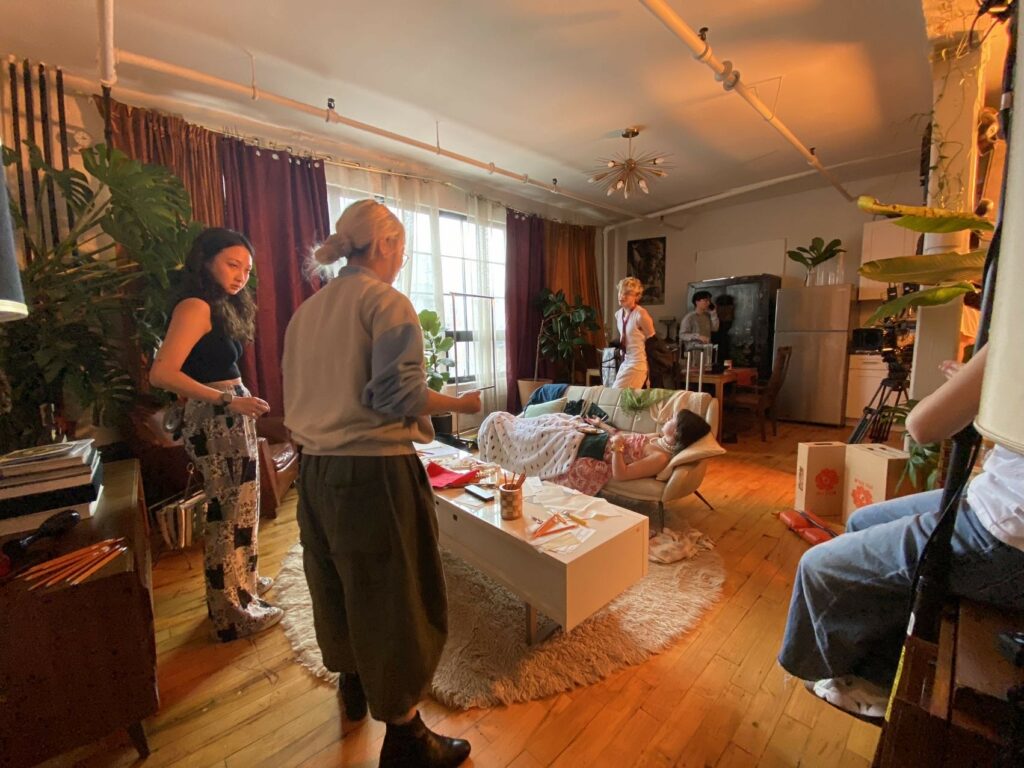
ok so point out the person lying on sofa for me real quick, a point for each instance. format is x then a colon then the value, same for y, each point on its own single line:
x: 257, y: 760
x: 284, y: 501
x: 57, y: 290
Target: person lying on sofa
x: 553, y: 448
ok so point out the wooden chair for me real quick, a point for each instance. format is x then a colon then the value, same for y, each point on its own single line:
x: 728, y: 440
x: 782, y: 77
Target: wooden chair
x: 759, y: 399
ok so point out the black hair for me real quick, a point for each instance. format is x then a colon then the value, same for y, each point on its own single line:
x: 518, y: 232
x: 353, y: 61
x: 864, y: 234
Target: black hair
x: 238, y: 312
x: 700, y: 295
x: 689, y: 429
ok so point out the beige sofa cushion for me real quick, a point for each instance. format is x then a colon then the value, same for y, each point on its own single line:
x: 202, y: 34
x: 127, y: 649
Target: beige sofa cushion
x: 704, y: 448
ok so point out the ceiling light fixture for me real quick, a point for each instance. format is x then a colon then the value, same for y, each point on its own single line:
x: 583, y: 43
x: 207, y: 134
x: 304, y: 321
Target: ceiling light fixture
x: 628, y: 173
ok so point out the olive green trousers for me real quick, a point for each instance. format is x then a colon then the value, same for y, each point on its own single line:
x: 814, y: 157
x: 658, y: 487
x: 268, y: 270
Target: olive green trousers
x: 369, y: 537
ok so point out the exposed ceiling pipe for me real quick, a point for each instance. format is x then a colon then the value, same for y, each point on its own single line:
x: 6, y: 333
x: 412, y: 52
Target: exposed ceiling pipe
x: 105, y: 14
x: 331, y: 116
x: 730, y: 79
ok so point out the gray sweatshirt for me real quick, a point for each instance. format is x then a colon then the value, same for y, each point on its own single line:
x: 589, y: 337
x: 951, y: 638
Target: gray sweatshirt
x: 354, y: 379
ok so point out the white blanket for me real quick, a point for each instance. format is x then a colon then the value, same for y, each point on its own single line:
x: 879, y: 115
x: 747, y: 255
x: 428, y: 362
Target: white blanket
x: 541, y: 447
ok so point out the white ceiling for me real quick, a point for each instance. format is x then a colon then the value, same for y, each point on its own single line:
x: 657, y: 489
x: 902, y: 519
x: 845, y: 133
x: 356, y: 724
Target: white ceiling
x: 542, y: 87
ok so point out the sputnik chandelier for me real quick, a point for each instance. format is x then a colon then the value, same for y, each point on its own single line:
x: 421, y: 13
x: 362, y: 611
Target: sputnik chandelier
x: 629, y: 173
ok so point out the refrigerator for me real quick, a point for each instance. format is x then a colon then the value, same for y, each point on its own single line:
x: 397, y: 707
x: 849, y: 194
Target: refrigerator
x: 815, y: 322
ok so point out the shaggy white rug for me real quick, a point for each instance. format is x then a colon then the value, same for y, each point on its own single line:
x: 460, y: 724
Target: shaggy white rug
x: 487, y: 662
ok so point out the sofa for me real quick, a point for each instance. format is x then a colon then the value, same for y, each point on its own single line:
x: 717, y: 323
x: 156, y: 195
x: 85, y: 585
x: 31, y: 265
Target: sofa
x: 685, y: 471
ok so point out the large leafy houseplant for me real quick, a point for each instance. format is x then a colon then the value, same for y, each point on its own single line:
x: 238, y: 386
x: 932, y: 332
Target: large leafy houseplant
x: 949, y: 275
x: 561, y: 329
x: 98, y: 297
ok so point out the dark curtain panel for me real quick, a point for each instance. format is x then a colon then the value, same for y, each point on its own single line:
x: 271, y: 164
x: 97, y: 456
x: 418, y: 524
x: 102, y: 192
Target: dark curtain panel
x: 571, y: 266
x: 280, y: 203
x: 524, y: 280
x: 191, y: 152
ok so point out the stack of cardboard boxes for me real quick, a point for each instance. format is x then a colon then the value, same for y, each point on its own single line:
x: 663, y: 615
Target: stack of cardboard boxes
x: 834, y: 480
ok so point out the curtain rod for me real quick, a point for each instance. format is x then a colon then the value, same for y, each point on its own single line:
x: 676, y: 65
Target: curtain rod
x: 332, y: 116
x: 85, y: 87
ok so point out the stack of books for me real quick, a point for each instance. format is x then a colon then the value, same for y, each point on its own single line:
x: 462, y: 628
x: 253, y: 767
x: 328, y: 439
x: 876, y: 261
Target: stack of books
x: 40, y: 481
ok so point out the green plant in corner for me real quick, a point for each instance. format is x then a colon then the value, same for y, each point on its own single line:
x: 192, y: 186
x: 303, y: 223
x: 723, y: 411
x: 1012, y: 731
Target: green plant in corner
x: 816, y: 254
x: 436, y: 345
x: 561, y: 329
x: 98, y: 297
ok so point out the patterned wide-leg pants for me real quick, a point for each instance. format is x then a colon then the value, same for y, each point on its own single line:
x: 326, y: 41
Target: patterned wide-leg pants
x: 223, y: 446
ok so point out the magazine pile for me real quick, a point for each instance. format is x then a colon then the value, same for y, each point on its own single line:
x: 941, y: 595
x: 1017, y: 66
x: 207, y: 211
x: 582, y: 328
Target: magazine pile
x: 40, y: 481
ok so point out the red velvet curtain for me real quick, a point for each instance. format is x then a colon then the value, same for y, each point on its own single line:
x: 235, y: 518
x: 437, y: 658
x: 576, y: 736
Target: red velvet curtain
x: 524, y: 280
x: 280, y: 203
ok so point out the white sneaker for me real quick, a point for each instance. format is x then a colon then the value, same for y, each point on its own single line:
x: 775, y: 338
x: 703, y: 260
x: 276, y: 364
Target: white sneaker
x: 855, y: 695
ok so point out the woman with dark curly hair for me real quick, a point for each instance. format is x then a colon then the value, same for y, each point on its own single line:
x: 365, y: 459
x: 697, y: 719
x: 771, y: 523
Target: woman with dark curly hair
x: 198, y: 361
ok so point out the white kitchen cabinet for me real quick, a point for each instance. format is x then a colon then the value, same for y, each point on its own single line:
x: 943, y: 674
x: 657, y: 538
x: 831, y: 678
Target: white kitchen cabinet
x: 883, y: 240
x: 864, y: 375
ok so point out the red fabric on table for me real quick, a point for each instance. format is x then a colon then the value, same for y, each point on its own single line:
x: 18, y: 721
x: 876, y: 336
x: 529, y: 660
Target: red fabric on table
x: 446, y: 478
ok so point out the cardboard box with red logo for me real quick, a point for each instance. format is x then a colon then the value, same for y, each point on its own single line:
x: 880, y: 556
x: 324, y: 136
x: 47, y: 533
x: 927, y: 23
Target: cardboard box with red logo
x: 819, y: 478
x: 873, y: 474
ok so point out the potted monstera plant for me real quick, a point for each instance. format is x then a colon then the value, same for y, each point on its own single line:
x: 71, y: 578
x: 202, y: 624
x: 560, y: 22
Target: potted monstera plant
x: 91, y: 316
x: 436, y: 346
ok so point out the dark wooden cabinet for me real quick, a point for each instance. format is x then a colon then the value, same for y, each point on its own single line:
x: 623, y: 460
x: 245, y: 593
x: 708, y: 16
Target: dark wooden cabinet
x: 78, y: 662
x: 746, y: 313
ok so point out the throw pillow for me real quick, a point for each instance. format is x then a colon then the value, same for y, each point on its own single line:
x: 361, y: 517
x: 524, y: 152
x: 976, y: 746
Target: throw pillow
x: 542, y: 409
x: 704, y: 448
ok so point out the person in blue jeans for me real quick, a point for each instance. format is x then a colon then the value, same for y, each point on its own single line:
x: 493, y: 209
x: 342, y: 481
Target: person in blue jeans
x: 852, y: 595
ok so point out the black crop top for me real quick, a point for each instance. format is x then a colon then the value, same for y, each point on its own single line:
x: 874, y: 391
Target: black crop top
x: 215, y: 356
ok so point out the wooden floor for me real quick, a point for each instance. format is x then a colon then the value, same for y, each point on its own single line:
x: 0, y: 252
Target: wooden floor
x: 717, y: 698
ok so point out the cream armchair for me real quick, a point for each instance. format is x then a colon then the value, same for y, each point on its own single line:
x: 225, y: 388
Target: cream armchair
x: 684, y: 473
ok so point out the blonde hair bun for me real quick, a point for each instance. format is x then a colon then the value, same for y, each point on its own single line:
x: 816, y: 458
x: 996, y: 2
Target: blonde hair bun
x: 333, y: 248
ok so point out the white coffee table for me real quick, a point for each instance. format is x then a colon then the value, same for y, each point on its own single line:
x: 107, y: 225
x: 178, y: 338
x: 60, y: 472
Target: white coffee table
x: 565, y: 587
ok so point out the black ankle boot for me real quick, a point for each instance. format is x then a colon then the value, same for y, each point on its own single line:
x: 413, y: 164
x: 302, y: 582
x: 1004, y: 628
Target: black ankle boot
x: 413, y: 745
x: 353, y: 696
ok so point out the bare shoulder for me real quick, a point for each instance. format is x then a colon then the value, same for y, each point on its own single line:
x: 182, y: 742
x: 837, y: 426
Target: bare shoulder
x: 192, y: 314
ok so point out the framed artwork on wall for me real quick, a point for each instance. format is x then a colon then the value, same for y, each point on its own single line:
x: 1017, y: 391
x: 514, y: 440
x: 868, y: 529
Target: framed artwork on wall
x: 645, y: 260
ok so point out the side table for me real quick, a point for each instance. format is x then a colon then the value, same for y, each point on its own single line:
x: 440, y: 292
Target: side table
x: 78, y: 662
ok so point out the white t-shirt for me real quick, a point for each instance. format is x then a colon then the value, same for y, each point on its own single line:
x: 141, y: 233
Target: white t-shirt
x: 997, y: 496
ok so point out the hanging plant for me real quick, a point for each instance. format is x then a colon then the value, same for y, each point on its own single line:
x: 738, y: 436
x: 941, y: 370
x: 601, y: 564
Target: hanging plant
x: 951, y: 274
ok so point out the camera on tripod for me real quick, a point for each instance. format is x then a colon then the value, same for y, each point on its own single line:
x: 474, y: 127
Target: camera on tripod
x: 898, y: 370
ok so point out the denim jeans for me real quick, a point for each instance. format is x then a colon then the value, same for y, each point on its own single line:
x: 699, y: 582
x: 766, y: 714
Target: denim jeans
x: 852, y: 595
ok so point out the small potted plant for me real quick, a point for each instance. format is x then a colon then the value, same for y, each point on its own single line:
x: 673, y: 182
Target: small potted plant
x: 816, y: 254
x: 436, y: 345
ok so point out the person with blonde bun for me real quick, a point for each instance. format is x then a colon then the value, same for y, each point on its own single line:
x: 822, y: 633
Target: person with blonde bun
x: 635, y: 326
x: 356, y: 400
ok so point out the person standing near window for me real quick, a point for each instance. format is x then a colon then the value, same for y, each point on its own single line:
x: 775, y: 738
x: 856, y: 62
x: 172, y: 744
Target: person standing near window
x: 356, y: 399
x: 198, y: 361
x: 635, y: 326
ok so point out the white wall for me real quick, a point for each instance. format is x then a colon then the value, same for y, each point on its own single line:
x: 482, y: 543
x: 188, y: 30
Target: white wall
x: 794, y: 218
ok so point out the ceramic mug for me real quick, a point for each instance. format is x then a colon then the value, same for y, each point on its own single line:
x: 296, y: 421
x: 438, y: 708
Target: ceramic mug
x: 511, y: 502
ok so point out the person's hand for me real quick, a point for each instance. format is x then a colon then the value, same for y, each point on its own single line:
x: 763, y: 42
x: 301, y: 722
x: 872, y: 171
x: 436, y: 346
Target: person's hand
x: 249, y: 406
x: 704, y: 339
x: 950, y: 368
x: 469, y: 402
x: 615, y: 441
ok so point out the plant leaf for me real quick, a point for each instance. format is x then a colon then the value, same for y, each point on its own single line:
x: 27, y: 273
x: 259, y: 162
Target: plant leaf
x: 931, y: 297
x: 928, y: 269
x: 923, y: 219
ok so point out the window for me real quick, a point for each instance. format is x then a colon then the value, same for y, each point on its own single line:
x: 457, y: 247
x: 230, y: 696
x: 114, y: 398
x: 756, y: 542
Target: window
x: 456, y: 245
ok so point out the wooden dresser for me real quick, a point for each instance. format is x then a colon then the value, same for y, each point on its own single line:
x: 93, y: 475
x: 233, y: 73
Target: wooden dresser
x: 78, y: 662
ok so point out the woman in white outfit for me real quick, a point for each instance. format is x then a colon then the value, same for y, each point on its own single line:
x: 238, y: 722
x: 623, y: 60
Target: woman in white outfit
x: 635, y: 326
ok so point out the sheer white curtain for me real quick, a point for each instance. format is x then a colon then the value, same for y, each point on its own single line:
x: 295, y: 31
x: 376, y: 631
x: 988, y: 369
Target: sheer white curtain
x: 456, y: 248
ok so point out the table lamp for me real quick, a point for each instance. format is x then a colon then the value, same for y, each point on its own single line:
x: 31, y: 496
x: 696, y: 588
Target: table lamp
x: 1001, y: 417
